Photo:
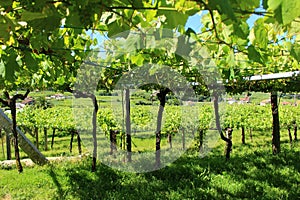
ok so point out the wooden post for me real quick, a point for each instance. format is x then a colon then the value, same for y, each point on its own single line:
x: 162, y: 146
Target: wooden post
x: 290, y: 136
x: 170, y: 140
x: 2, y: 143
x: 53, y: 135
x: 243, y: 135
x: 113, y: 141
x: 71, y: 141
x: 121, y: 140
x: 228, y: 147
x: 13, y: 110
x: 295, y: 131
x: 276, y: 130
x: 162, y: 102
x: 128, y: 124
x: 183, y: 138
x: 36, y: 133
x: 201, y: 133
x: 79, y: 143
x: 30, y: 149
x: 46, y: 139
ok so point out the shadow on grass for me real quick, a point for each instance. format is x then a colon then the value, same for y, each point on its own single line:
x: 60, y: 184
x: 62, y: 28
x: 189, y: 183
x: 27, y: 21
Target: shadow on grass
x: 54, y: 177
x: 251, y: 175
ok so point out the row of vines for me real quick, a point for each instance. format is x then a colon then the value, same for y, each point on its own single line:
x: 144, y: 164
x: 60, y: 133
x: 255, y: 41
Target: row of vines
x: 177, y: 120
x: 143, y: 118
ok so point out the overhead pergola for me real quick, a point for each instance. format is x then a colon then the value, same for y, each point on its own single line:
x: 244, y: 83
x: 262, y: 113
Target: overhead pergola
x: 273, y: 76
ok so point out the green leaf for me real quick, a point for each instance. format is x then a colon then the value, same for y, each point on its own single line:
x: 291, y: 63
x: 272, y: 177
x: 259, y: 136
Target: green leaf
x: 295, y: 52
x: 230, y: 59
x: 11, y: 66
x: 150, y: 14
x: 231, y: 74
x: 73, y: 20
x: 6, y: 26
x: 28, y: 16
x: 4, y: 32
x: 173, y: 18
x: 117, y: 27
x: 224, y: 7
x: 247, y: 5
x: 48, y: 23
x: 136, y: 3
x: 5, y: 3
x: 241, y: 30
x: 254, y: 55
x: 290, y: 10
x: 60, y: 80
x: 285, y: 10
x: 273, y: 4
x: 265, y: 4
x: 30, y: 61
x: 226, y: 49
x: 278, y: 15
x: 261, y: 34
x: 137, y: 59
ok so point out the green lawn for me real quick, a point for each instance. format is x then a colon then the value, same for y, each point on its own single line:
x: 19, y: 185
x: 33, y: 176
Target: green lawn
x: 251, y: 173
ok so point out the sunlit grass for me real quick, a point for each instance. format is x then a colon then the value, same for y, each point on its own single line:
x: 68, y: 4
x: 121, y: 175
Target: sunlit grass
x: 251, y: 173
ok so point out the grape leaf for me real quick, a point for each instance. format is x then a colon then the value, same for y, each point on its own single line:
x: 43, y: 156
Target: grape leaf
x: 117, y: 27
x: 261, y: 34
x: 48, y: 23
x: 265, y: 4
x: 11, y: 66
x: 30, y: 61
x: 173, y: 18
x: 73, y: 20
x: 241, y: 30
x: 60, y: 80
x: 272, y: 4
x: 4, y: 32
x: 254, y: 55
x: 295, y: 52
x: 5, y: 3
x: 247, y: 5
x: 28, y: 16
x: 137, y: 59
x: 224, y: 7
x: 290, y: 10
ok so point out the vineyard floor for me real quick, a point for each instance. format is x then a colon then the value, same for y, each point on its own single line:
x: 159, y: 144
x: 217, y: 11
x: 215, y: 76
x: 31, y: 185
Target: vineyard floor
x: 251, y: 173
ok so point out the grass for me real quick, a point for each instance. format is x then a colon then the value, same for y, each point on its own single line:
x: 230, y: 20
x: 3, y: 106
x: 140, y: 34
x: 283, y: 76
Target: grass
x: 251, y: 173
x: 61, y: 147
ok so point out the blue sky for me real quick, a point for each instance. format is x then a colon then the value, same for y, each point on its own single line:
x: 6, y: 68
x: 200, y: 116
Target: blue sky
x: 194, y: 22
